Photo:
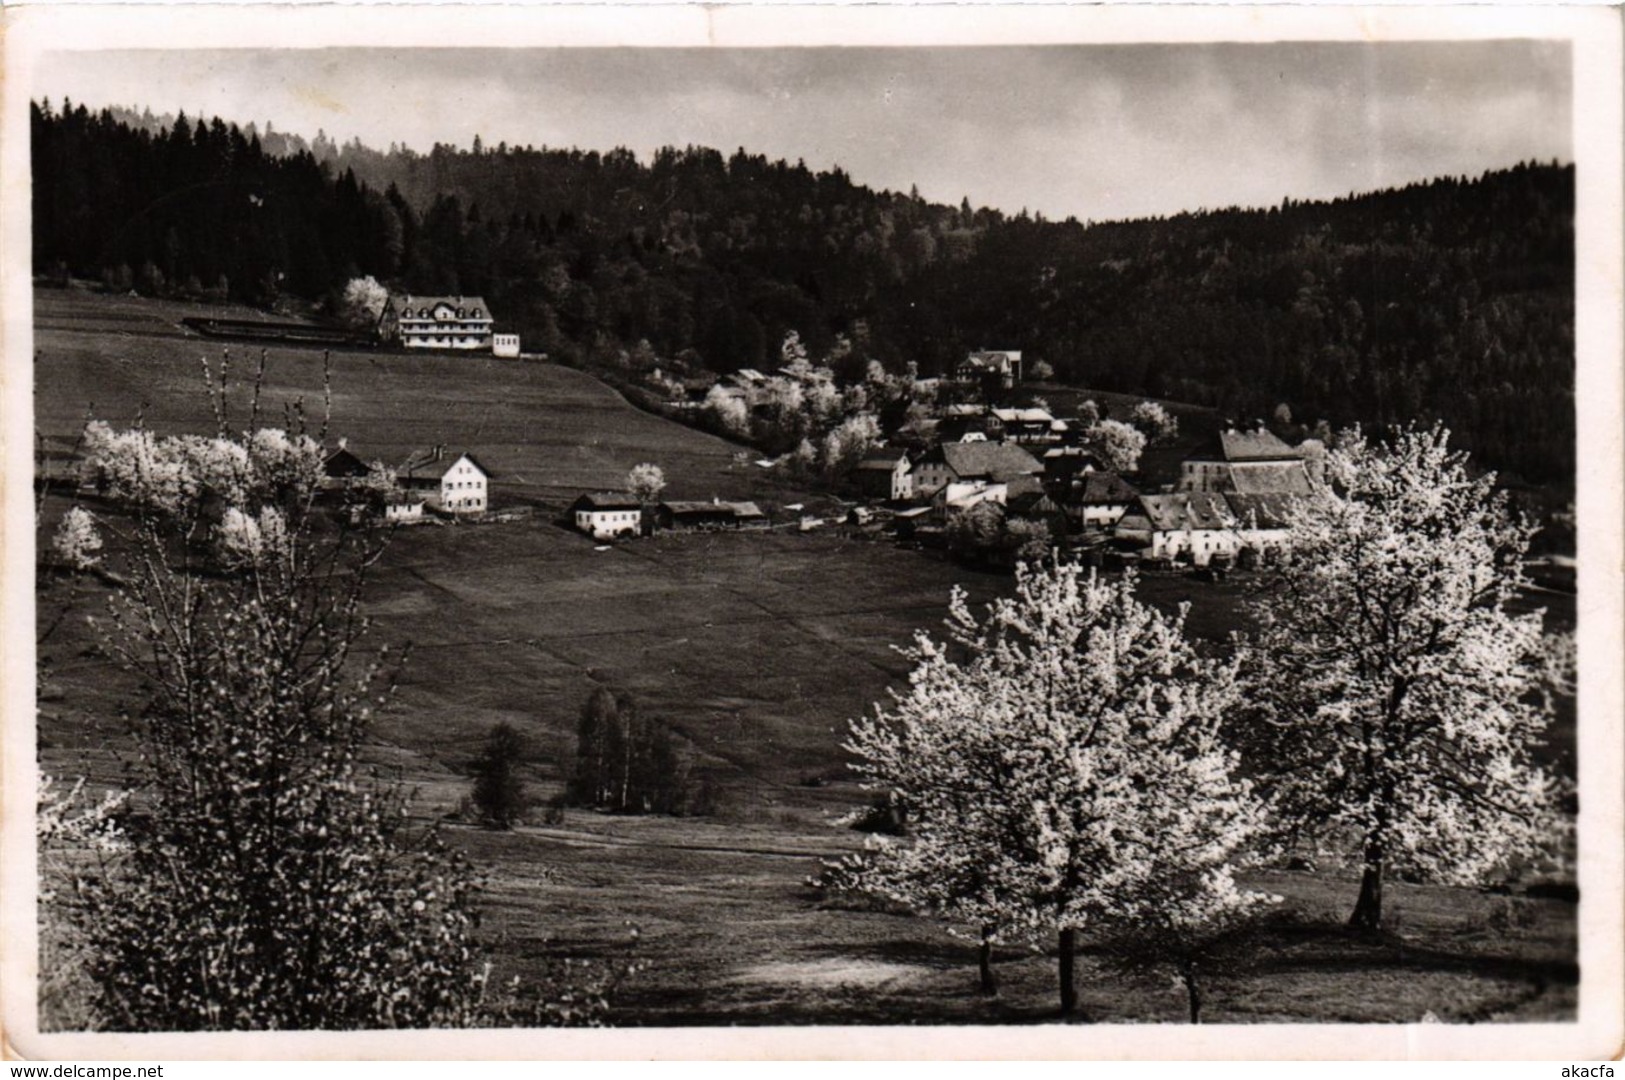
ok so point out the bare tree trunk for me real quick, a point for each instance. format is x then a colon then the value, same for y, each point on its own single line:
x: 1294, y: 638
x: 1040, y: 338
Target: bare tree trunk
x: 1368, y: 908
x: 1069, y: 990
x: 984, y: 963
x: 1193, y: 991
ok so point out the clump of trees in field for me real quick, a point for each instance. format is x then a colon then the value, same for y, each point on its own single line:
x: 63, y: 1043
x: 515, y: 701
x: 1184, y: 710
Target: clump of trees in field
x: 1069, y: 763
x: 628, y: 763
x: 499, y: 795
x: 262, y: 877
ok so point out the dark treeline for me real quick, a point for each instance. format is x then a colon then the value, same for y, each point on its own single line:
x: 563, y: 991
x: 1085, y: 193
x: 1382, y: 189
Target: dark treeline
x: 1451, y: 299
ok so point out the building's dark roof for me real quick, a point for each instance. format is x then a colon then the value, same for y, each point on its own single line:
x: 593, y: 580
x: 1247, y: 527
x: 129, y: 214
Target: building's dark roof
x: 473, y: 307
x: 880, y: 460
x: 1290, y: 478
x: 1187, y: 510
x: 1265, y: 511
x: 712, y: 509
x: 1260, y: 444
x: 606, y: 500
x: 999, y: 462
x: 431, y: 464
x: 992, y: 359
x: 1022, y: 486
x: 1105, y: 489
x: 343, y: 462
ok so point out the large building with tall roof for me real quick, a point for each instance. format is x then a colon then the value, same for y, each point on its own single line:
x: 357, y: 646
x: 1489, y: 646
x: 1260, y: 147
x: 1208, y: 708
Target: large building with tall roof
x: 1253, y: 462
x: 436, y: 322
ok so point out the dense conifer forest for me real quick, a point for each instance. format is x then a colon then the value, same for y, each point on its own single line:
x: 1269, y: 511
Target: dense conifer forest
x: 1449, y: 299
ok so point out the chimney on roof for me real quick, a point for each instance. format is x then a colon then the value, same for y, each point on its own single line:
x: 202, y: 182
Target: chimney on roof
x: 344, y: 441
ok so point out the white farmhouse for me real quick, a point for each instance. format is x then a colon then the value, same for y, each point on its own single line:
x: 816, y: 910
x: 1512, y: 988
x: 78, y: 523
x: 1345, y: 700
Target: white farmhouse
x: 505, y: 345
x: 604, y: 515
x: 1196, y: 525
x: 453, y: 485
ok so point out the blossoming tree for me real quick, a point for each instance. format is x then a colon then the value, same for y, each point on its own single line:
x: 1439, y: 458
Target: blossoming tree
x: 1060, y: 764
x: 1399, y: 696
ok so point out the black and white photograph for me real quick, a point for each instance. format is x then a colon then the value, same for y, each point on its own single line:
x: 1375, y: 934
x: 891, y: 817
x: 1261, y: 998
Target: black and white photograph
x: 1095, y: 529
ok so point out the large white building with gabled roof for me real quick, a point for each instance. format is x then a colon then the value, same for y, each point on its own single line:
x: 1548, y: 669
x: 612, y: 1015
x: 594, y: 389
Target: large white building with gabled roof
x: 436, y: 322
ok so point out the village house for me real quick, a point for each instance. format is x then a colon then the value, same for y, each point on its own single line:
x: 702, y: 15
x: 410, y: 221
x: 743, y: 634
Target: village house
x: 990, y: 462
x: 1026, y: 500
x: 1100, y: 499
x: 505, y: 346
x: 1263, y: 522
x: 436, y: 322
x: 399, y: 508
x: 605, y: 515
x: 342, y: 469
x: 450, y: 484
x: 959, y: 496
x: 716, y: 514
x: 884, y: 474
x: 995, y: 368
x: 1193, y: 525
x: 1029, y: 425
x: 1062, y: 464
x: 1253, y: 462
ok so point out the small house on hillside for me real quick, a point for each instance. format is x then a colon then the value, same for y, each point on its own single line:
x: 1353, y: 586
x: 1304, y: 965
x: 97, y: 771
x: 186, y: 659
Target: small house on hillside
x: 883, y: 474
x: 505, y: 346
x: 605, y: 515
x: 453, y: 484
x: 1101, y: 499
x: 342, y: 468
x: 1062, y: 464
x: 1029, y: 425
x: 1194, y: 525
x: 436, y: 322
x: 399, y: 508
x: 1250, y: 462
x: 957, y: 497
x: 990, y: 368
x: 990, y: 462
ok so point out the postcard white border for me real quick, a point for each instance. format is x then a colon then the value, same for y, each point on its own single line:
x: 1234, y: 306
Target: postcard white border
x: 1594, y: 33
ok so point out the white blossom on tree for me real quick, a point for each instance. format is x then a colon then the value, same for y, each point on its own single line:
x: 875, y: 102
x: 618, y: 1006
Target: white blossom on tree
x: 77, y: 540
x: 363, y: 301
x: 1157, y: 424
x: 1116, y: 445
x: 728, y: 411
x: 1400, y: 697
x: 1060, y: 766
x: 646, y: 481
x: 846, y: 444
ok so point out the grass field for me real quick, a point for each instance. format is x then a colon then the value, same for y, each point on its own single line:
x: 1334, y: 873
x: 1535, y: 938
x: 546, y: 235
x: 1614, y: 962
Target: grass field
x: 546, y: 432
x: 756, y: 649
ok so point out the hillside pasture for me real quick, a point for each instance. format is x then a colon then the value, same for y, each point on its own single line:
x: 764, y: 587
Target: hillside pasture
x: 547, y: 432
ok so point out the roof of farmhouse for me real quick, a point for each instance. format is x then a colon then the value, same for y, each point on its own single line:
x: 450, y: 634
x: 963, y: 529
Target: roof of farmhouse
x: 607, y: 500
x: 402, y: 305
x: 998, y: 461
x: 1260, y: 444
x: 1187, y: 510
x: 433, y: 463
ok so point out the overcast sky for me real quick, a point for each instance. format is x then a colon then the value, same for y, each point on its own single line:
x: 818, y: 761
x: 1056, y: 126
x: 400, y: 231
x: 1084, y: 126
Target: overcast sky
x: 1091, y: 131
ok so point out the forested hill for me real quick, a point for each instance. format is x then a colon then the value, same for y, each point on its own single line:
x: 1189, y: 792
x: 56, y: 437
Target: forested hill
x: 1449, y: 299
